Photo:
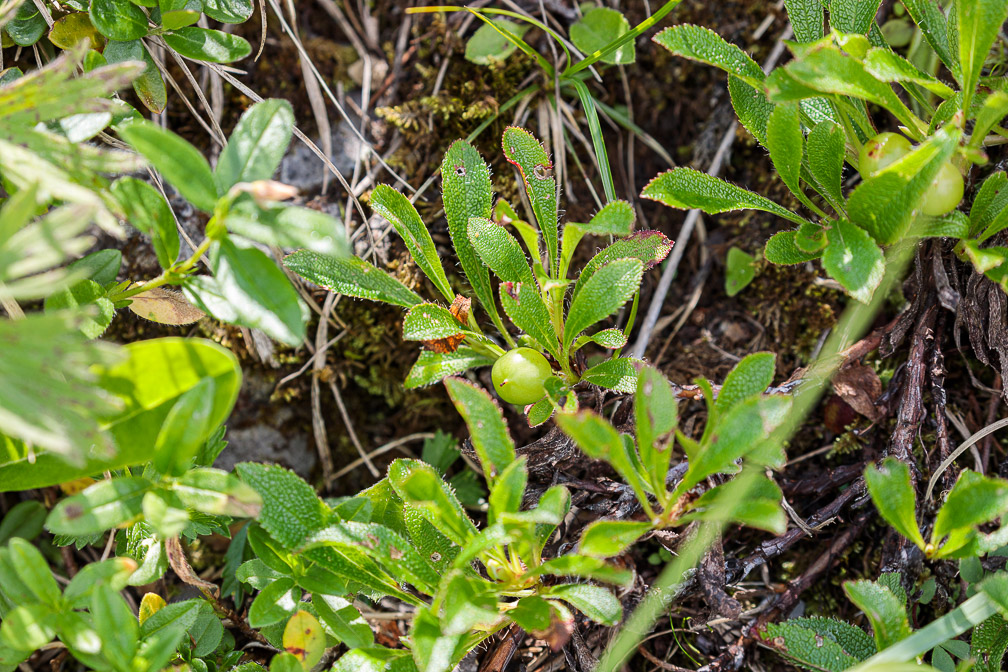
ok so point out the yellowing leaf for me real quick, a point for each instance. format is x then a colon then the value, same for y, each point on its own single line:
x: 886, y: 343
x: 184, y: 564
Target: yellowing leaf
x: 150, y: 605
x: 303, y: 637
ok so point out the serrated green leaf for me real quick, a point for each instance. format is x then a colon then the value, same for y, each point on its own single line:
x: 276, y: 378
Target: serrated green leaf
x: 486, y: 425
x: 655, y: 416
x: 828, y: 70
x: 885, y: 204
x: 853, y: 16
x: 595, y: 602
x: 894, y: 497
x: 257, y: 144
x: 429, y: 321
x: 291, y: 510
x: 598, y: 28
x: 613, y: 219
x: 499, y: 251
x: 686, y: 189
x: 854, y: 260
x: 599, y: 440
x: 432, y: 367
x: 786, y: 141
x: 507, y: 493
x: 619, y: 374
x: 179, y: 162
x: 606, y: 538
x: 423, y: 488
x: 608, y: 338
x: 706, y: 46
x: 738, y: 432
x: 885, y: 611
x: 351, y: 276
x: 602, y: 294
x: 397, y: 209
x: 383, y: 545
x: 988, y: 643
x: 978, y: 24
x: 825, y: 146
x: 468, y: 193
x: 888, y: 66
x: 758, y: 506
x: 751, y: 107
x: 990, y: 200
x: 819, y: 643
x: 524, y: 306
x: 526, y: 153
x: 749, y: 378
x: 204, y: 44
x: 651, y: 247
x: 973, y: 500
x: 782, y: 249
x: 807, y: 18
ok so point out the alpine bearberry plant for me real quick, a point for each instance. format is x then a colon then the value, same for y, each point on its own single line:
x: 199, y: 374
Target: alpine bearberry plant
x: 813, y: 117
x: 554, y: 313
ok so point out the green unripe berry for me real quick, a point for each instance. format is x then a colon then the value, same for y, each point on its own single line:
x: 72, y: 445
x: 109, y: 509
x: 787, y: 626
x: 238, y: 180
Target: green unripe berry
x: 945, y: 192
x: 880, y: 151
x: 518, y: 376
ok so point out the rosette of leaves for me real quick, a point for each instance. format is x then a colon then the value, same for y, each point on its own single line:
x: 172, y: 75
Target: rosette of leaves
x: 408, y: 537
x: 121, y: 30
x: 812, y: 115
x: 526, y: 269
x: 739, y: 434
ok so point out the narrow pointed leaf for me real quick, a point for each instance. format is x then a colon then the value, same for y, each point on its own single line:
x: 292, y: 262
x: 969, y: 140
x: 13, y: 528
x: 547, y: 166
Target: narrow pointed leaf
x: 528, y: 155
x: 602, y: 295
x: 524, y: 306
x: 686, y: 189
x: 397, y: 209
x: 351, y: 276
x: 486, y: 424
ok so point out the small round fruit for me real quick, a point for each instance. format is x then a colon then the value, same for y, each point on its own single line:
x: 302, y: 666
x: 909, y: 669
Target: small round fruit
x: 945, y: 192
x: 518, y: 376
x: 880, y: 151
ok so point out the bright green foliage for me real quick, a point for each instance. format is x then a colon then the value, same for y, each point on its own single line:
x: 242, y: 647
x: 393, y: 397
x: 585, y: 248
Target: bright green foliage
x: 812, y: 116
x: 817, y: 643
x: 894, y: 497
x: 489, y: 43
x: 599, y: 27
x: 741, y: 423
x: 740, y: 270
x: 535, y: 293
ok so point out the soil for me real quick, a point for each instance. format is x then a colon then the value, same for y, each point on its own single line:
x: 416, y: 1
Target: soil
x: 429, y: 97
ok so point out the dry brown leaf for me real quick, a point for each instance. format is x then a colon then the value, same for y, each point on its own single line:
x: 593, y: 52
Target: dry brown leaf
x: 165, y: 307
x: 859, y: 386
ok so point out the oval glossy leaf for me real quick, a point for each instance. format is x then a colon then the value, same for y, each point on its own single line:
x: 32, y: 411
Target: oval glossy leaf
x: 606, y: 538
x: 178, y: 161
x: 118, y: 19
x: 258, y: 143
x: 203, y: 44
